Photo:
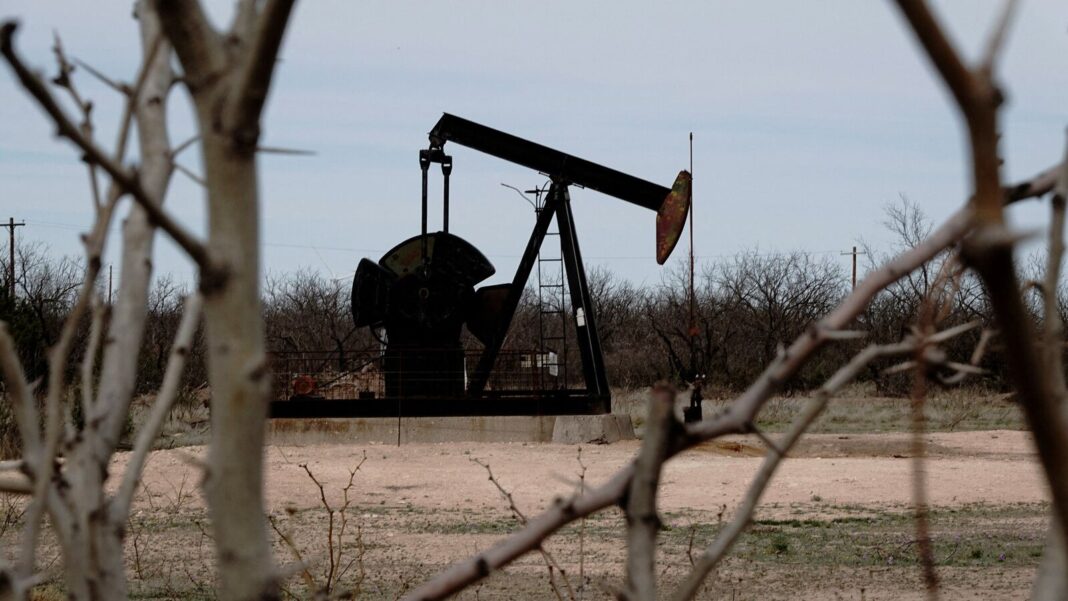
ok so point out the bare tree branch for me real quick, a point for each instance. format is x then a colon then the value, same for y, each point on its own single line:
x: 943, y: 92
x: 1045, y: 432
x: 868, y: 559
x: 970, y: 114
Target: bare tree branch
x: 1053, y: 327
x: 735, y: 420
x: 726, y: 538
x: 198, y: 45
x: 192, y: 176
x: 997, y: 37
x: 1051, y: 582
x: 978, y: 99
x: 128, y: 314
x: 990, y: 251
x: 252, y: 80
x: 20, y: 394
x: 17, y: 484
x: 128, y: 180
x: 643, y: 523
x: 104, y: 79
x: 44, y: 461
x: 168, y: 393
x: 133, y: 96
x: 179, y: 148
x: 550, y: 561
x: 96, y: 332
x: 940, y: 50
x: 930, y: 314
x: 1038, y: 186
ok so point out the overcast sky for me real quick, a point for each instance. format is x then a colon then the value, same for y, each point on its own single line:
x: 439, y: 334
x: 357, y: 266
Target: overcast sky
x: 808, y: 117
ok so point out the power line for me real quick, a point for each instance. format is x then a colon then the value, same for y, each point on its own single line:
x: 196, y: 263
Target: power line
x: 52, y: 224
x: 379, y: 251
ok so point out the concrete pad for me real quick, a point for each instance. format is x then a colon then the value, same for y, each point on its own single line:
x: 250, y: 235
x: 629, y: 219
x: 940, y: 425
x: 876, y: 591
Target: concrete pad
x: 592, y: 429
x: 412, y: 430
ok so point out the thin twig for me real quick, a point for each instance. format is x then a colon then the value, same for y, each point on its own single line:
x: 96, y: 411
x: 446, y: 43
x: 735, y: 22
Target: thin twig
x: 186, y: 144
x: 998, y: 35
x: 104, y: 79
x: 134, y: 96
x: 550, y: 561
x: 188, y: 173
x: 309, y: 580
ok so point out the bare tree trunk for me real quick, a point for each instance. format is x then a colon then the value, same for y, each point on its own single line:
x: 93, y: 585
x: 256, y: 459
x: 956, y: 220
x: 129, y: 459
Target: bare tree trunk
x: 229, y: 76
x: 238, y: 373
x: 1051, y: 582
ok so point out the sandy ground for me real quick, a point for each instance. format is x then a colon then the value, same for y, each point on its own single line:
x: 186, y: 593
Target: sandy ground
x: 865, y: 469
x: 416, y: 508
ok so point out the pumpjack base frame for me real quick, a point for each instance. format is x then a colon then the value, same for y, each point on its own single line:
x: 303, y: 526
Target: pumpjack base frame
x: 502, y: 403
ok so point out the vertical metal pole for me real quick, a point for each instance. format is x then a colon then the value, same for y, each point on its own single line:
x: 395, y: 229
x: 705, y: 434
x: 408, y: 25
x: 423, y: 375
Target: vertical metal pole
x: 110, y: 273
x: 446, y: 170
x: 424, y: 166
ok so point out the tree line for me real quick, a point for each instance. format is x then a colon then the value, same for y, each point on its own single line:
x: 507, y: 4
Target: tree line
x: 744, y: 308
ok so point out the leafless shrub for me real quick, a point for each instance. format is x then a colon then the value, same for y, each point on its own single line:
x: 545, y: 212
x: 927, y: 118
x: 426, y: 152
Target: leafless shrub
x: 304, y: 311
x: 759, y: 302
x: 12, y: 508
x: 746, y: 308
x: 330, y: 582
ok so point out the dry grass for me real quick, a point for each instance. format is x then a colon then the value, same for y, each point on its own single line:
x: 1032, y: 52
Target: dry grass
x: 858, y: 409
x: 816, y: 550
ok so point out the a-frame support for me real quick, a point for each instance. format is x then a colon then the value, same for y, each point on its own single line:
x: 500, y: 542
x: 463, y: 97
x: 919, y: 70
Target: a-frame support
x: 557, y: 204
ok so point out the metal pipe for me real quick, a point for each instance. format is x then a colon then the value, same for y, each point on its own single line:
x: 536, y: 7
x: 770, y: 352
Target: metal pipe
x: 446, y: 170
x: 424, y: 166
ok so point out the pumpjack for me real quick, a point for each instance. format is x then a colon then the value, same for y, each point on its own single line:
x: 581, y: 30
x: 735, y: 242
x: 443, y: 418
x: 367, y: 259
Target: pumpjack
x: 422, y: 293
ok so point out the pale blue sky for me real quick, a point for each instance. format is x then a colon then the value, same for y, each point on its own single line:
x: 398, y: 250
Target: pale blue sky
x: 809, y: 117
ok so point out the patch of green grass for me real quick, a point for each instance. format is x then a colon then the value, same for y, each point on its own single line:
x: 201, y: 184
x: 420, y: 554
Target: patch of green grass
x: 959, y: 410
x: 969, y: 536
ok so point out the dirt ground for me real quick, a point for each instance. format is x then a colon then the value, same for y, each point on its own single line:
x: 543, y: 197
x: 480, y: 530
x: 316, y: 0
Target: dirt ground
x: 835, y: 523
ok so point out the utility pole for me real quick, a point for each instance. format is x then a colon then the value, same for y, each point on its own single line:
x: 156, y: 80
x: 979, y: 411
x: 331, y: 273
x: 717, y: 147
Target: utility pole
x: 854, y: 253
x: 11, y: 225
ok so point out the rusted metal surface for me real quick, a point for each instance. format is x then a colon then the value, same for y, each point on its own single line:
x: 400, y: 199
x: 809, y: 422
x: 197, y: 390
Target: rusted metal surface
x: 363, y: 374
x: 671, y: 218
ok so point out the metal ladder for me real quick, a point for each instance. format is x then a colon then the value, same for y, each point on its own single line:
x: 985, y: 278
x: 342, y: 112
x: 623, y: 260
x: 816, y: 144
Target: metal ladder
x: 552, y: 310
